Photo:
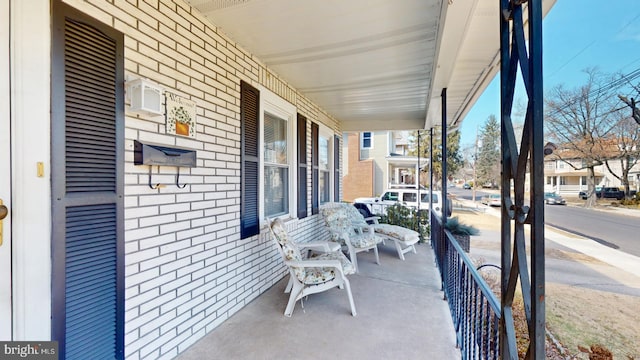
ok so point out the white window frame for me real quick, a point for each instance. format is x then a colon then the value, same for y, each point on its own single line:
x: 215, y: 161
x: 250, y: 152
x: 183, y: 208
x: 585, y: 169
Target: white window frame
x: 275, y: 105
x: 370, y: 140
x: 324, y: 131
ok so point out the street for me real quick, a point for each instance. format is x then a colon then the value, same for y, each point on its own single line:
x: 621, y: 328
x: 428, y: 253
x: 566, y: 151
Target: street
x: 564, y: 264
x: 608, y: 228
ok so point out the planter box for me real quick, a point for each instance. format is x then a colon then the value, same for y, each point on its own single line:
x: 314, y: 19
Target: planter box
x: 464, y: 241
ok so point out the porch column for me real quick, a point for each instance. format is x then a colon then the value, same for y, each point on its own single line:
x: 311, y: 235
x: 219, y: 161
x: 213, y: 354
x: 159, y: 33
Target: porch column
x: 445, y: 205
x: 516, y: 53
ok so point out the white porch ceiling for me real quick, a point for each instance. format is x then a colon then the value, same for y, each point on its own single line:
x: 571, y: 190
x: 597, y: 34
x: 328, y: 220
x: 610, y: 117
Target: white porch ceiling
x: 372, y: 64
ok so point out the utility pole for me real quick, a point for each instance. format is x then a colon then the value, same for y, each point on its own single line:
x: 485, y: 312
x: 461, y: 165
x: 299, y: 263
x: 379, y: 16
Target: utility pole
x: 475, y: 165
x: 635, y: 112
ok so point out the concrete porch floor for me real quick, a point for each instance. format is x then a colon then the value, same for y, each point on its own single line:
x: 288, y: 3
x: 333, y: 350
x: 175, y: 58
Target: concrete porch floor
x: 401, y: 315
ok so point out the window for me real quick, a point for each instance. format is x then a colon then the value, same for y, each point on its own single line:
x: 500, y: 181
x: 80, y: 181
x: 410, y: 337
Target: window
x: 322, y: 145
x: 390, y: 195
x: 410, y: 197
x: 324, y: 164
x: 366, y: 140
x: 276, y: 166
x: 278, y: 157
x: 563, y: 180
x: 267, y: 181
x: 434, y: 198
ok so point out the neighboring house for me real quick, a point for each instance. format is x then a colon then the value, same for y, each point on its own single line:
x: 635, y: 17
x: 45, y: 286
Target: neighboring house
x: 564, y: 179
x: 376, y: 161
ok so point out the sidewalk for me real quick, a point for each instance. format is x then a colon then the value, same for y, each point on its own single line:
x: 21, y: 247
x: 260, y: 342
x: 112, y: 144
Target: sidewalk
x: 612, y: 257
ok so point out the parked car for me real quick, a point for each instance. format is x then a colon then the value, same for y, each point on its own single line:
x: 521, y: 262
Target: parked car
x: 554, y: 199
x: 582, y: 195
x: 492, y: 200
x: 605, y: 192
x: 466, y: 186
x: 405, y: 196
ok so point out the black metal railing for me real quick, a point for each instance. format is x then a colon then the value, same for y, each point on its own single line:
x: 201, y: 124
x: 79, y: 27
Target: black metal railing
x: 474, y: 307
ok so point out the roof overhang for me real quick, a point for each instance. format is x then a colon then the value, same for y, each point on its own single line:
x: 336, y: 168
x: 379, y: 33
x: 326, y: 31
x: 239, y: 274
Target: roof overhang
x: 372, y: 64
x: 410, y: 161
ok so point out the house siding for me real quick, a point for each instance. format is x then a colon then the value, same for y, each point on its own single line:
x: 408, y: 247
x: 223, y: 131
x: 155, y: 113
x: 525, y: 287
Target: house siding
x: 187, y: 270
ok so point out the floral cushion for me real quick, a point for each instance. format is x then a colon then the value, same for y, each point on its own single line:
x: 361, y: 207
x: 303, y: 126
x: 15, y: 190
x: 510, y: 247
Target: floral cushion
x: 397, y: 232
x: 289, y: 248
x: 347, y: 266
x: 344, y: 225
x: 319, y: 275
x: 309, y: 276
x: 364, y: 240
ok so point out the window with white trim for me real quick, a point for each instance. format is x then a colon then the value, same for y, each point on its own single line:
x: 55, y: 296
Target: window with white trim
x: 325, y: 152
x: 366, y: 140
x: 277, y: 158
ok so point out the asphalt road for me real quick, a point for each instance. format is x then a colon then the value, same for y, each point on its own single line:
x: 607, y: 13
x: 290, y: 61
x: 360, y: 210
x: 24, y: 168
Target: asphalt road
x: 612, y: 229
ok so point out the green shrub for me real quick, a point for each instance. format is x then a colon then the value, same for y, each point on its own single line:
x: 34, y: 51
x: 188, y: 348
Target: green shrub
x: 409, y: 218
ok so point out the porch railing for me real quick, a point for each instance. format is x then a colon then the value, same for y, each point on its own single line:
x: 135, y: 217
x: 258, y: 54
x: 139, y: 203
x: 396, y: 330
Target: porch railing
x: 475, y: 310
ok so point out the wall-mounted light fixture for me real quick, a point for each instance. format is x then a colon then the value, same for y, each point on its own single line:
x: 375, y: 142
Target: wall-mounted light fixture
x: 145, y: 96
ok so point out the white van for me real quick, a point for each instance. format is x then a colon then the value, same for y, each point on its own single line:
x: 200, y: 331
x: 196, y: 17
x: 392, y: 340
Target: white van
x: 405, y: 196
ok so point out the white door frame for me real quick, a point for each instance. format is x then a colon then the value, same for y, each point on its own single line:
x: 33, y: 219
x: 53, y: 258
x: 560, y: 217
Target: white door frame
x: 5, y: 178
x: 30, y: 119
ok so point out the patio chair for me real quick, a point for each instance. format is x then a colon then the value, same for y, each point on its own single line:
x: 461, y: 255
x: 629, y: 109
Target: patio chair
x: 404, y: 239
x: 312, y: 275
x: 356, y: 237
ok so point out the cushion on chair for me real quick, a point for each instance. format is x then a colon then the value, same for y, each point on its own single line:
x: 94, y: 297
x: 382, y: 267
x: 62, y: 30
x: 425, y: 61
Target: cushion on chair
x: 315, y: 276
x: 289, y: 248
x: 347, y: 266
x: 398, y: 232
x: 364, y: 240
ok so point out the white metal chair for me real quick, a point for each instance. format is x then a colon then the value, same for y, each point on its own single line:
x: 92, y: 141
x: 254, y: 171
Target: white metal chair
x: 308, y: 276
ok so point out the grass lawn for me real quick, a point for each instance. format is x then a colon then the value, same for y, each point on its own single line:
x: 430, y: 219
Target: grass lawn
x: 584, y: 317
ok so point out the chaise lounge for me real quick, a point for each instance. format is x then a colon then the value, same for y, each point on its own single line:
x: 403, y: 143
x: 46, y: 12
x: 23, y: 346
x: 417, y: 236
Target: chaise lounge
x: 404, y: 239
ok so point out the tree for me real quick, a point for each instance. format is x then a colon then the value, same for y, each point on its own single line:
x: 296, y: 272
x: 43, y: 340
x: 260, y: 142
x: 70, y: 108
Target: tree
x: 578, y: 120
x: 488, y: 161
x: 454, y: 158
x: 624, y: 146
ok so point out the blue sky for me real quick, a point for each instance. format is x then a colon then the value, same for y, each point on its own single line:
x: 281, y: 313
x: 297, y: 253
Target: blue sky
x: 576, y: 35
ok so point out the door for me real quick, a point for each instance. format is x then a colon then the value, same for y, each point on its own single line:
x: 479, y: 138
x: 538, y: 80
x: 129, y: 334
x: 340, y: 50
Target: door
x: 5, y: 178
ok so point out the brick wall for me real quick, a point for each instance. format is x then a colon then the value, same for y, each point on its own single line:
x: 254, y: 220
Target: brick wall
x: 359, y: 179
x: 187, y: 270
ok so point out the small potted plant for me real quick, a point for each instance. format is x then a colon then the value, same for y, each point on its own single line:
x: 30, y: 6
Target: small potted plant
x: 462, y: 232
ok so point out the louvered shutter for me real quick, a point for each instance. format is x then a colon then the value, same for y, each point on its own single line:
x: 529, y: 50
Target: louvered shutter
x: 302, y: 166
x: 336, y: 168
x: 249, y: 131
x: 315, y: 173
x: 87, y: 186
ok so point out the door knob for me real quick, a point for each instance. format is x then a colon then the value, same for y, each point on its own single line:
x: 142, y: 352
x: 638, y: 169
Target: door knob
x: 3, y: 211
x: 3, y: 214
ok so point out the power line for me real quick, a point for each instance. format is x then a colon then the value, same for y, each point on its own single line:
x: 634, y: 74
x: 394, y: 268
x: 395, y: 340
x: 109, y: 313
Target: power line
x: 605, y: 88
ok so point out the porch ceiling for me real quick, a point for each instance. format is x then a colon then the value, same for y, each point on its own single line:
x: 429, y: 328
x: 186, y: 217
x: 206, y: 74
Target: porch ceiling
x: 373, y: 64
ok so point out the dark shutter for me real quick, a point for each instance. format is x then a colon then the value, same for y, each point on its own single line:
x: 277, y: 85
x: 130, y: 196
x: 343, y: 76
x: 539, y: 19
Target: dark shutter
x: 249, y: 131
x: 87, y: 174
x: 336, y: 168
x: 302, y: 166
x: 315, y: 133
